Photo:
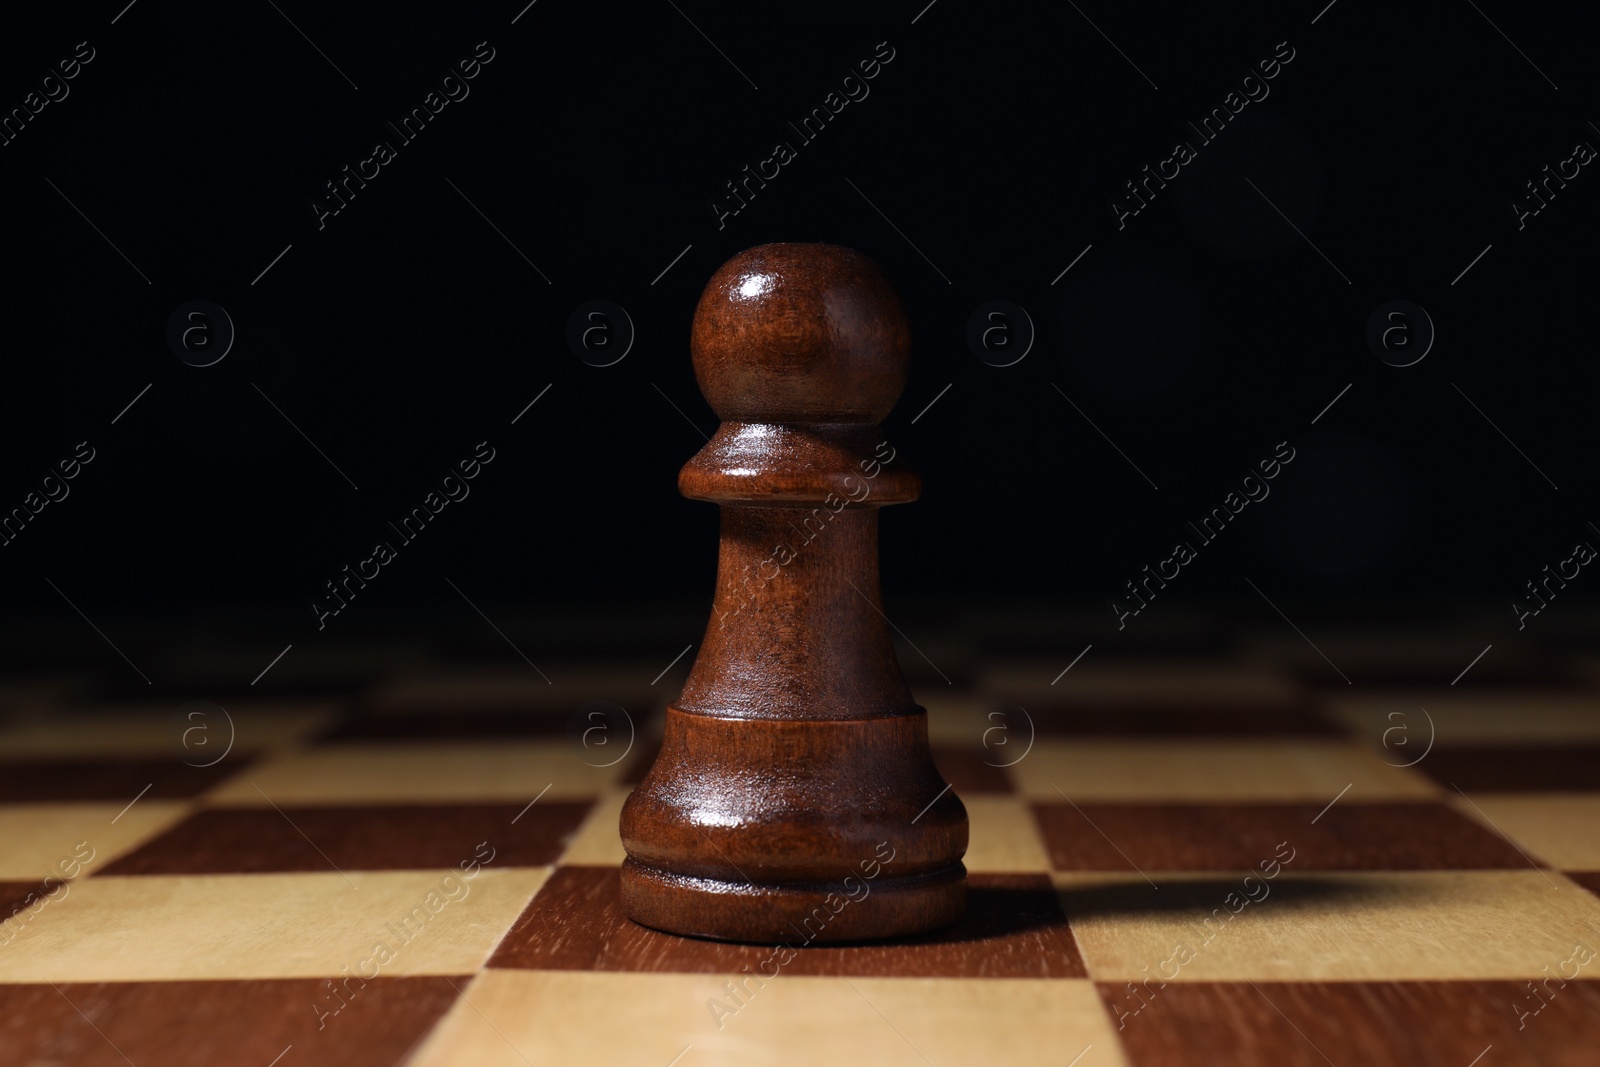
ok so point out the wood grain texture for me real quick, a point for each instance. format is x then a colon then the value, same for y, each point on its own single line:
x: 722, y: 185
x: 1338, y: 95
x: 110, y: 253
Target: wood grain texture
x: 518, y: 1018
x: 578, y: 923
x: 1227, y: 837
x: 1328, y: 926
x: 19, y: 899
x: 202, y: 1024
x: 1398, y: 964
x: 795, y: 755
x: 1559, y: 829
x: 801, y: 640
x: 412, y: 837
x: 795, y: 333
x: 301, y: 925
x: 404, y: 772
x: 73, y: 839
x: 1005, y: 837
x: 639, y: 762
x: 1209, y: 770
x: 1375, y: 1024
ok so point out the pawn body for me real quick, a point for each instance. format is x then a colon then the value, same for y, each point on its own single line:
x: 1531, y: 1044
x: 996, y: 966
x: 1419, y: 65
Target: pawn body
x: 795, y: 797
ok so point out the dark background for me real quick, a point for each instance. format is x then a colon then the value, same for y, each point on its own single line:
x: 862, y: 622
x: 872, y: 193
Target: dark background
x: 407, y: 330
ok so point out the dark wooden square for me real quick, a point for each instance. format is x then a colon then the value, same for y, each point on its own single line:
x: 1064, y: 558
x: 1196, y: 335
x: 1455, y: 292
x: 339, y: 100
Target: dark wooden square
x: 110, y: 779
x: 392, y: 837
x: 1013, y: 928
x: 1530, y: 769
x: 204, y: 1023
x: 450, y: 726
x: 968, y: 771
x: 1239, y: 837
x: 1156, y: 720
x: 1371, y: 1024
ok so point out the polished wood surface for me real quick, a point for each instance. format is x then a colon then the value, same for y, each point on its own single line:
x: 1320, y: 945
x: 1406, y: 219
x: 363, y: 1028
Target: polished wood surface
x: 795, y: 794
x: 1422, y: 918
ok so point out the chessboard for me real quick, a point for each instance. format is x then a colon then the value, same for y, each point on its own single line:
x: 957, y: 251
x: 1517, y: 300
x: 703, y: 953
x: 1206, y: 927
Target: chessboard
x: 1202, y: 841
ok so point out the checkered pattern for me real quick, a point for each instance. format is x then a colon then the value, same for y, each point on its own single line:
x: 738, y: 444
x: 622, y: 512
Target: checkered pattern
x: 1177, y: 857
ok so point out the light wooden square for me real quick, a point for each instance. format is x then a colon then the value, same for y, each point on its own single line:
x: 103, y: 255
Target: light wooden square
x: 1404, y: 721
x: 403, y: 773
x: 513, y: 1018
x: 1561, y: 829
x: 112, y: 929
x: 1302, y: 771
x: 598, y: 841
x: 956, y: 717
x: 1002, y: 836
x: 36, y: 838
x: 161, y: 729
x: 1399, y: 926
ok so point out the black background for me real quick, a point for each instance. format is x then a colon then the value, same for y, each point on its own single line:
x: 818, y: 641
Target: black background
x: 407, y: 330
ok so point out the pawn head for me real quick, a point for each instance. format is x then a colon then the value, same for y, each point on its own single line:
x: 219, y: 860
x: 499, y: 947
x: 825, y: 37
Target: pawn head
x: 800, y: 333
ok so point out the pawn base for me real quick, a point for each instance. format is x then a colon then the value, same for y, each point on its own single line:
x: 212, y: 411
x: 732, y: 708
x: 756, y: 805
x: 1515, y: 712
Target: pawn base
x: 819, y: 830
x: 852, y: 909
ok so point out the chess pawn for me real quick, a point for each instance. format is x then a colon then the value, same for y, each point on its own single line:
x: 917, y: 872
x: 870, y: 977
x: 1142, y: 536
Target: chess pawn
x: 795, y: 798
